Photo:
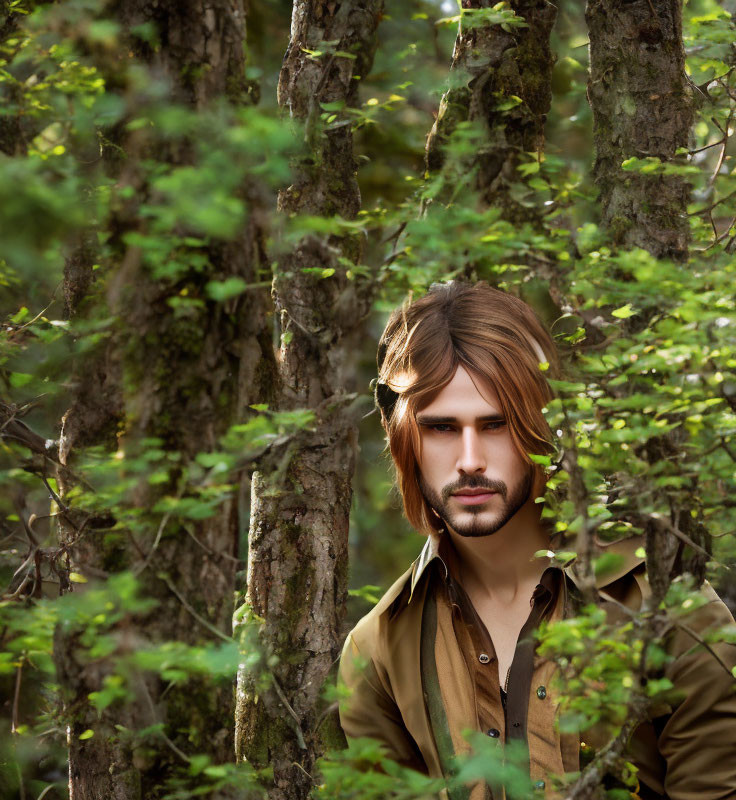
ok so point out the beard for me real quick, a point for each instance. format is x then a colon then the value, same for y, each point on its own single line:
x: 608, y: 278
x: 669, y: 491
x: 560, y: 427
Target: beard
x: 478, y: 520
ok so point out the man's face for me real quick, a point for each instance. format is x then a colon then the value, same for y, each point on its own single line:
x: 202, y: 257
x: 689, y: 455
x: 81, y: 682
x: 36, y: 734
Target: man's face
x: 471, y: 474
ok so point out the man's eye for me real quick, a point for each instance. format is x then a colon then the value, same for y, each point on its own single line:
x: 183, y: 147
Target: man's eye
x: 495, y: 425
x: 441, y: 428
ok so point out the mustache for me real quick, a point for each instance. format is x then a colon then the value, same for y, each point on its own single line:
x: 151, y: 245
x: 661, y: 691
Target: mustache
x: 474, y: 482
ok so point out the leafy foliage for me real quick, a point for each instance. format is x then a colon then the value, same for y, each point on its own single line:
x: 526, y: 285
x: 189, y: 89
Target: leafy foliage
x: 645, y: 423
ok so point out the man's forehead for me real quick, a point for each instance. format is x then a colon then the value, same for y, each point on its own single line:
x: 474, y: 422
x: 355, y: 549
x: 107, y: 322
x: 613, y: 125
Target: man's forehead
x: 463, y: 396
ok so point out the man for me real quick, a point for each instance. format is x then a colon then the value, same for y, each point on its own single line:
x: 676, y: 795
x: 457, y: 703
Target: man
x: 450, y: 647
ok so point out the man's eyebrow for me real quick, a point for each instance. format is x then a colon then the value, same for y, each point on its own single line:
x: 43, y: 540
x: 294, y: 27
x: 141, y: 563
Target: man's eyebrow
x: 427, y: 419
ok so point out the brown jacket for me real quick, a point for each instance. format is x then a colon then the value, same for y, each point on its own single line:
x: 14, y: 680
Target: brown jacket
x: 684, y: 751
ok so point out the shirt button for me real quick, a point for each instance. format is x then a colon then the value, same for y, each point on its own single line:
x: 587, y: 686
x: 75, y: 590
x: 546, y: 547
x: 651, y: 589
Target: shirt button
x: 541, y: 692
x: 484, y: 658
x: 494, y: 733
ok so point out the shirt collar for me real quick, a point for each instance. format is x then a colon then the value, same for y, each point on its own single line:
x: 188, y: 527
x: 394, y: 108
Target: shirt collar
x: 430, y: 551
x: 628, y: 550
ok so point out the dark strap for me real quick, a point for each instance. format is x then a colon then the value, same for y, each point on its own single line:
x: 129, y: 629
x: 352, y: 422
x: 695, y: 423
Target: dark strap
x: 520, y: 681
x: 433, y: 696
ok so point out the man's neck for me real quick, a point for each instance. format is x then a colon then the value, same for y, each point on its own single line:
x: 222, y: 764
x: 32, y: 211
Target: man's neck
x: 502, y: 564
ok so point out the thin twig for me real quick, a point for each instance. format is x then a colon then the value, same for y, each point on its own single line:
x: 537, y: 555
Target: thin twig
x: 40, y: 313
x: 683, y: 537
x: 27, y: 527
x: 724, y: 142
x: 713, y: 205
x: 299, y: 766
x: 55, y: 497
x: 21, y: 785
x: 592, y: 776
x: 16, y: 698
x: 690, y: 632
x: 721, y: 535
x: 159, y: 533
x: 705, y: 147
x: 210, y: 551
x: 18, y: 591
x: 292, y: 713
x: 719, y: 238
x: 182, y: 755
x: 202, y: 621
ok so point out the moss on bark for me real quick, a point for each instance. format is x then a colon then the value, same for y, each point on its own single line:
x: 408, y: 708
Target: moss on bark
x: 499, y: 63
x: 642, y: 107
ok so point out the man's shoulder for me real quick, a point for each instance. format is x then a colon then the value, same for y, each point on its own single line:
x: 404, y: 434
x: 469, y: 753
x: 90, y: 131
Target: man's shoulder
x: 617, y: 560
x: 370, y: 628
x: 704, y: 614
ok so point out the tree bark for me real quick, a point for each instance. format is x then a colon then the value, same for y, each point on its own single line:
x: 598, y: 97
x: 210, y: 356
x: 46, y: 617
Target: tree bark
x: 642, y: 106
x: 498, y: 65
x: 183, y: 380
x: 13, y: 141
x: 297, y: 559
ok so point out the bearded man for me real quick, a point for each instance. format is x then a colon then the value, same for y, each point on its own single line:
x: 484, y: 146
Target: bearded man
x: 451, y: 646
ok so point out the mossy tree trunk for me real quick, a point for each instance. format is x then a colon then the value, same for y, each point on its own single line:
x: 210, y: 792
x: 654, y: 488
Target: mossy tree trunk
x: 297, y: 558
x: 642, y: 107
x: 13, y: 140
x: 502, y: 82
x: 180, y: 379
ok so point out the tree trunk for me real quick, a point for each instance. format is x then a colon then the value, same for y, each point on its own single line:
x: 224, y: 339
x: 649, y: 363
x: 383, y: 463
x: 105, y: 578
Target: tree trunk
x: 12, y: 139
x: 499, y: 63
x: 297, y: 559
x: 181, y: 379
x: 642, y: 107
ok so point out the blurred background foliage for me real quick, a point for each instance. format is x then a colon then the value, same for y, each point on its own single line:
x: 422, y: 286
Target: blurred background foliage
x: 68, y: 86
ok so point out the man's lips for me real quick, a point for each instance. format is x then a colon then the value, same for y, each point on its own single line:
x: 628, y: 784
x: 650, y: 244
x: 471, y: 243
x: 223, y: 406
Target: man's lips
x: 473, y: 496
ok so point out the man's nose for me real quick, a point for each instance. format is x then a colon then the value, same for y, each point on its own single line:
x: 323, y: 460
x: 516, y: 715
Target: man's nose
x: 471, y: 458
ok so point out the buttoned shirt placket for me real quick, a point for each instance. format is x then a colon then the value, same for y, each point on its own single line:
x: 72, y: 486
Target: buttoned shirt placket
x: 479, y: 653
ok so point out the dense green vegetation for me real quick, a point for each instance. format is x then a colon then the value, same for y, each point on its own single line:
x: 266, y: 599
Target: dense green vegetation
x: 107, y: 162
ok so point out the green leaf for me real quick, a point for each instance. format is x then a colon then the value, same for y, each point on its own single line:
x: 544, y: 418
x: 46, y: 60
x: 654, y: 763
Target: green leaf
x: 19, y: 379
x: 507, y: 103
x: 221, y: 291
x: 19, y: 315
x: 369, y: 593
x: 624, y: 312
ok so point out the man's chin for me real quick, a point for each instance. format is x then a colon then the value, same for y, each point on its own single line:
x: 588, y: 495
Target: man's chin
x: 475, y: 528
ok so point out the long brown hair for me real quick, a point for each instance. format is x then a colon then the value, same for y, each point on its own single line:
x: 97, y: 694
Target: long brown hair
x: 499, y: 340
